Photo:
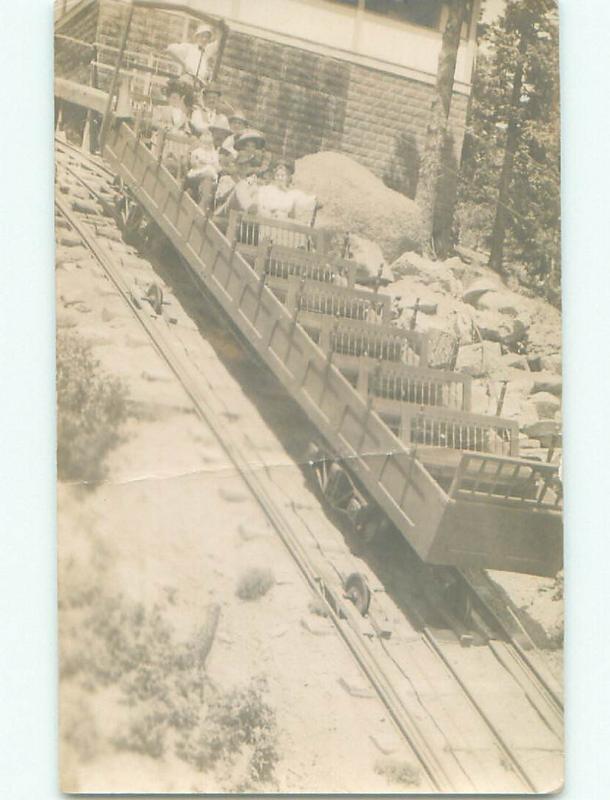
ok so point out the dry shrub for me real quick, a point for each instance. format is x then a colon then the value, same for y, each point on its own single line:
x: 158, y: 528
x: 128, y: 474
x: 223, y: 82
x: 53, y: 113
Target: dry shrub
x: 237, y: 730
x: 145, y: 735
x: 255, y: 583
x: 91, y: 407
x: 79, y: 730
x: 398, y: 772
x: 171, y: 703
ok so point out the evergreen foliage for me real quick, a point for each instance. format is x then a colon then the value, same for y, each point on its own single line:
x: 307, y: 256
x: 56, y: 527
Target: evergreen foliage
x: 522, y: 45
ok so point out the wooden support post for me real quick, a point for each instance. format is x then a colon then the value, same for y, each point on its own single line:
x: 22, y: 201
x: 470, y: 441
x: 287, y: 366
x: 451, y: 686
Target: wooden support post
x: 221, y: 48
x: 500, y: 405
x: 115, y: 78
x: 423, y: 350
x: 467, y: 394
x: 362, y: 385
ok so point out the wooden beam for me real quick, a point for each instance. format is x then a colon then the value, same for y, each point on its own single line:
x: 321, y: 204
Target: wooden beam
x: 80, y: 94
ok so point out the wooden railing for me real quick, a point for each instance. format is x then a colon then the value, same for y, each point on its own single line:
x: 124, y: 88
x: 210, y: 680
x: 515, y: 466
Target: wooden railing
x: 529, y: 482
x: 283, y: 262
x: 447, y: 428
x: 352, y: 340
x: 395, y: 384
x: 313, y: 300
x: 248, y: 232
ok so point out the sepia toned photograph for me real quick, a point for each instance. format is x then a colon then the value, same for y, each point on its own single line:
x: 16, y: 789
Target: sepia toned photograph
x: 309, y: 396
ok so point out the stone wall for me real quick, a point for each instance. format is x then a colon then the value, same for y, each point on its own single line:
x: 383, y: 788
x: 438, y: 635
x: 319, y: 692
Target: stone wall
x: 72, y: 59
x: 306, y: 102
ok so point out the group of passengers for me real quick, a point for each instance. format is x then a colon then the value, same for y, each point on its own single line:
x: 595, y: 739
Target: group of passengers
x: 222, y: 160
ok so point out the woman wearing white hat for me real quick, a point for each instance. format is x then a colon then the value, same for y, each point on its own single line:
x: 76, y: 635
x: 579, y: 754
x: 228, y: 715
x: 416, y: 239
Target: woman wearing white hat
x: 238, y: 123
x: 196, y: 58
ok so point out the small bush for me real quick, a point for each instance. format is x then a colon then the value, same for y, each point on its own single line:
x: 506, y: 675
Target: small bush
x: 255, y: 583
x: 398, y: 772
x: 171, y: 704
x: 145, y: 736
x: 238, y: 726
x: 91, y: 407
x: 79, y: 730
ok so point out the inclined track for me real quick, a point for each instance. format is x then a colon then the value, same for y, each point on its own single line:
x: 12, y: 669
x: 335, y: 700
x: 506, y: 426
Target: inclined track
x: 368, y: 652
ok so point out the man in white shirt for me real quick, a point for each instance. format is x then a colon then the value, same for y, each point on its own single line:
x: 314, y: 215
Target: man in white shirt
x: 197, y: 58
x: 207, y: 113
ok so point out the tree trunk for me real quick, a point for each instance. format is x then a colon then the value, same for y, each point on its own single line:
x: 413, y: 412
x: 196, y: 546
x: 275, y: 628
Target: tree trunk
x: 513, y: 133
x: 436, y: 151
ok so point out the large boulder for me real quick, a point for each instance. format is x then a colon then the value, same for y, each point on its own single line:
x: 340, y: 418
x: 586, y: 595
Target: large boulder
x: 355, y: 199
x: 497, y: 327
x: 370, y: 259
x: 548, y: 382
x: 478, y: 288
x: 436, y: 274
x: 479, y: 360
x: 504, y: 302
x: 546, y: 404
x: 551, y: 363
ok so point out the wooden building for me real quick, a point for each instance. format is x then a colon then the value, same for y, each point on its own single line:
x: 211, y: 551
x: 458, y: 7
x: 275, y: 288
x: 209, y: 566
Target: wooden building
x: 355, y: 76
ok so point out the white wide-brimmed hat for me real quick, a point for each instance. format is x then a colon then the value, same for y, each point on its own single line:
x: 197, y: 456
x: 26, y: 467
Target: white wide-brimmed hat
x: 203, y: 28
x: 238, y: 114
x: 249, y: 135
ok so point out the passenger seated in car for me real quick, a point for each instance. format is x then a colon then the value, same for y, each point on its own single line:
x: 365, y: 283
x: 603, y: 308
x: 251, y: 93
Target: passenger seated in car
x: 202, y: 176
x: 252, y: 158
x: 278, y: 200
x: 238, y: 124
x: 227, y: 176
x: 219, y: 128
x: 196, y: 58
x: 170, y: 139
x: 174, y: 116
x: 207, y: 108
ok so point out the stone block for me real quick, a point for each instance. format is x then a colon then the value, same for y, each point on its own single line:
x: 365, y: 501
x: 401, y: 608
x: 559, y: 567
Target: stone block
x: 546, y: 404
x: 479, y: 360
x: 548, y: 382
x: 318, y: 626
x: 357, y: 687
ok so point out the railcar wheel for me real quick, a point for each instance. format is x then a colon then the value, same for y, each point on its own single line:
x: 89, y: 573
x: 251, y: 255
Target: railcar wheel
x: 133, y: 219
x: 357, y: 590
x: 458, y: 600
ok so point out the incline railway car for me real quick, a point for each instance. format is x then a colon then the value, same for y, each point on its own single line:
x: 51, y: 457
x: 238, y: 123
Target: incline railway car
x: 398, y: 443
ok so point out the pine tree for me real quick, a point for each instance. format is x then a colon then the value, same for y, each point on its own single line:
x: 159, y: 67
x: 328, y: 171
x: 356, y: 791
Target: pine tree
x: 433, y: 189
x: 512, y: 144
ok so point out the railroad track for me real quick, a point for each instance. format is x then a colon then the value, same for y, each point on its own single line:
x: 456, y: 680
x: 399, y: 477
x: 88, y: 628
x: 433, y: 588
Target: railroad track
x: 382, y: 661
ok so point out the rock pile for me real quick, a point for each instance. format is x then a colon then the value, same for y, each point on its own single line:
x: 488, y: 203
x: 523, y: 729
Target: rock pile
x: 476, y: 323
x: 501, y: 336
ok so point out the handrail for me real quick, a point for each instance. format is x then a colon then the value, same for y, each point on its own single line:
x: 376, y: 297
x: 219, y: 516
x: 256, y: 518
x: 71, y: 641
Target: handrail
x: 509, y: 479
x: 250, y: 231
x: 453, y: 429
